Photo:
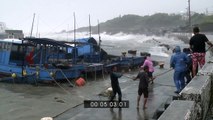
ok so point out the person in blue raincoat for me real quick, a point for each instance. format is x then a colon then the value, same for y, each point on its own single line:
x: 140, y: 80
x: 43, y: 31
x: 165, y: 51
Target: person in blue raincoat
x: 179, y: 61
x: 188, y: 74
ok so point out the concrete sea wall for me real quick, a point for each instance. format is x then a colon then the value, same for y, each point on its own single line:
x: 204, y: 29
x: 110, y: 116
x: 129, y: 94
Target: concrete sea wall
x: 194, y: 99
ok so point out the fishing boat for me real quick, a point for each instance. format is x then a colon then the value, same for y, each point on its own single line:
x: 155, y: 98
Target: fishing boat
x: 96, y: 60
x: 88, y: 50
x: 88, y: 53
x: 133, y: 52
x: 36, y: 60
x: 129, y: 61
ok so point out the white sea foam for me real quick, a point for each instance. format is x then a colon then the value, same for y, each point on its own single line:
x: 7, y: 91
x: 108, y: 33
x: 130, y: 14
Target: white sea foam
x: 115, y: 37
x: 158, y: 51
x: 120, y: 42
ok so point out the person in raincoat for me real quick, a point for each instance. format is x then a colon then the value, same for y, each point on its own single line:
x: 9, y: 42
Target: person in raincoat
x: 179, y: 61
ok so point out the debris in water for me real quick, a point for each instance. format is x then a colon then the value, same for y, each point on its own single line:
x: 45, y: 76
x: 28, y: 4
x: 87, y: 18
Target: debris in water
x: 61, y: 101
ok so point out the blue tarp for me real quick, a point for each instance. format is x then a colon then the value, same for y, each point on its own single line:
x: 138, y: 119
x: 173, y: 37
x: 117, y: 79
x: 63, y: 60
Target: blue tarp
x: 84, y: 48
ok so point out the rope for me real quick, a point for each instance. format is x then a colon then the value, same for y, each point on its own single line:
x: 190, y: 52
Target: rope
x: 208, y: 48
x: 66, y: 78
x: 56, y: 81
x: 154, y: 76
x: 164, y: 85
x: 164, y: 72
x: 127, y: 76
x: 59, y: 84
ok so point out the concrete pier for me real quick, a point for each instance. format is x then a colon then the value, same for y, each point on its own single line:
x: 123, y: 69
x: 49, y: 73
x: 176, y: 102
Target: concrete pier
x: 180, y: 110
x: 198, y: 91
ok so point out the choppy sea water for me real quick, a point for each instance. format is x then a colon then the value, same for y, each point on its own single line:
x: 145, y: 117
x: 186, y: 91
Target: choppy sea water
x: 115, y: 44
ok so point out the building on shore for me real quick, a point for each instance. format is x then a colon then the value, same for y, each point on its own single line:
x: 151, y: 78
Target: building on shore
x: 8, y: 33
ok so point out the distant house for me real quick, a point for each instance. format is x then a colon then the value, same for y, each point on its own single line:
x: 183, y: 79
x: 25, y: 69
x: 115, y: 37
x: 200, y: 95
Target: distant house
x: 12, y: 34
x: 2, y: 27
x: 8, y: 33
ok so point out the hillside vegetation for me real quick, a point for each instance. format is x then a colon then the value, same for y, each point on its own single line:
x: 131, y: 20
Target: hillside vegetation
x: 159, y: 23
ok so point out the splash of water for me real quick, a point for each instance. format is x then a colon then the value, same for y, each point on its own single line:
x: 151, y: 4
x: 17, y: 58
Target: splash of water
x: 121, y: 42
x: 115, y: 37
x: 158, y: 51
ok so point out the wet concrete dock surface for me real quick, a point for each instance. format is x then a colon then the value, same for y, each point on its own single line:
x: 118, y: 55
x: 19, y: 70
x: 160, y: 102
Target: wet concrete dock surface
x: 28, y: 102
x: 159, y: 94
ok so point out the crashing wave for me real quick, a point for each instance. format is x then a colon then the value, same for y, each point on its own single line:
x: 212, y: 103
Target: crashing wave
x: 158, y: 51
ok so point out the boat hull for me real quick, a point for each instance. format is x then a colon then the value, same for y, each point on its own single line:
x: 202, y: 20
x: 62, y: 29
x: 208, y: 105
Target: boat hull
x: 39, y: 74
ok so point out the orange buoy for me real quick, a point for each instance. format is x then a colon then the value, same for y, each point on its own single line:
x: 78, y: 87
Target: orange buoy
x: 80, y: 82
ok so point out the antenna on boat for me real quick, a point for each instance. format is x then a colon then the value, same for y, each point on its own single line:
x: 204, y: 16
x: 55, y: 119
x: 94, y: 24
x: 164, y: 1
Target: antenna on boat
x: 74, y: 52
x: 90, y: 30
x: 37, y: 34
x: 31, y: 32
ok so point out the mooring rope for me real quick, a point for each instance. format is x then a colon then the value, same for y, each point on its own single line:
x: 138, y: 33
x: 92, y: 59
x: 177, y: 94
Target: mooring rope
x: 164, y: 72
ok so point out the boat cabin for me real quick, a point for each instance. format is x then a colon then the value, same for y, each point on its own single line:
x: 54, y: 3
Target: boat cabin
x: 40, y: 57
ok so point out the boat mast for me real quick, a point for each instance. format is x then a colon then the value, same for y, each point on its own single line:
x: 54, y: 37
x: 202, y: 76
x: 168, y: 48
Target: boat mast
x: 67, y: 32
x: 74, y: 52
x: 99, y: 38
x: 91, y: 45
x: 90, y: 27
x: 22, y: 66
x: 32, y: 25
x: 37, y: 34
x: 74, y: 27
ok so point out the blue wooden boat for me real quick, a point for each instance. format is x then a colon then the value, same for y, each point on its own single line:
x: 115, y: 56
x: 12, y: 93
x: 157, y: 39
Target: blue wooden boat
x: 88, y: 51
x: 129, y: 62
x: 36, y: 59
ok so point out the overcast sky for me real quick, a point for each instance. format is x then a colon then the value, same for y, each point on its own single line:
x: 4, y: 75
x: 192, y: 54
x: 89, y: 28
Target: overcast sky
x: 55, y: 15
